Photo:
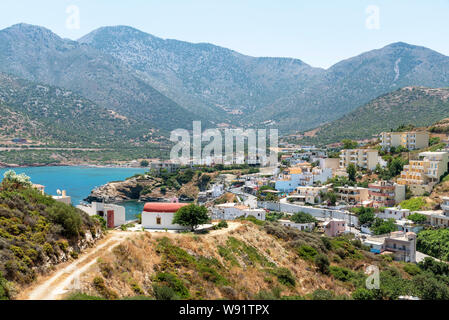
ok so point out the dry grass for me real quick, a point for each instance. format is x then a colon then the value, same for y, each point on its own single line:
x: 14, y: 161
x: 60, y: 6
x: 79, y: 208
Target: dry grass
x: 137, y: 261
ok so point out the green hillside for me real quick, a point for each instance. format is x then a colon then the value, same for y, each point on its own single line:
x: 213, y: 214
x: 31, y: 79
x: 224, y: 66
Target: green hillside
x: 36, y: 232
x: 418, y: 106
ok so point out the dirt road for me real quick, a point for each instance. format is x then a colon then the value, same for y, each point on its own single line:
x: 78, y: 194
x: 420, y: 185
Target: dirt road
x: 59, y: 283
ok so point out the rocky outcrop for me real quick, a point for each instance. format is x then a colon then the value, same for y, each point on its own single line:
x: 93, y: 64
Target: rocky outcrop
x: 142, y: 188
x: 117, y: 191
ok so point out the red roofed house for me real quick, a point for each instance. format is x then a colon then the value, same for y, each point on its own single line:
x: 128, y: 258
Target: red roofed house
x: 159, y: 215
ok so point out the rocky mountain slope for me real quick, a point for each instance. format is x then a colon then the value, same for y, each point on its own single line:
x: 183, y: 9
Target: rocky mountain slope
x: 166, y: 84
x: 284, y: 92
x: 35, y: 53
x: 355, y: 81
x: 203, y: 77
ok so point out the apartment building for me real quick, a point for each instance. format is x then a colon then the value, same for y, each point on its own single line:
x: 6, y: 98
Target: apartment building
x: 309, y: 194
x: 422, y: 174
x: 411, y: 140
x: 402, y: 245
x: 364, y: 158
x: 352, y: 195
x: 385, y: 193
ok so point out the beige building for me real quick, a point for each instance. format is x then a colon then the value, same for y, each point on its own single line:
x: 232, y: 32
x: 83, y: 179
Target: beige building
x: 310, y: 194
x: 422, y: 174
x: 352, y: 195
x: 364, y: 158
x: 410, y: 140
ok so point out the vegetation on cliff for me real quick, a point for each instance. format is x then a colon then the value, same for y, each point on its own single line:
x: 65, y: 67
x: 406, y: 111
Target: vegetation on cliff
x: 35, y: 232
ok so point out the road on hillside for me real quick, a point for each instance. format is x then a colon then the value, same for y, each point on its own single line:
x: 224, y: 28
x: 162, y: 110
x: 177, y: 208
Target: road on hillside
x: 59, y: 283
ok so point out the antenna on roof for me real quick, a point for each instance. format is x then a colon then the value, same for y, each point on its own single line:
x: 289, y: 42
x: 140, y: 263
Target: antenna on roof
x: 58, y: 192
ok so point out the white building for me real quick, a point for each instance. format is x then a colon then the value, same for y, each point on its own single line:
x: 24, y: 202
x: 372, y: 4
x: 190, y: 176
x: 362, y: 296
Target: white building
x: 231, y: 211
x: 302, y: 176
x: 63, y: 197
x: 300, y: 226
x: 159, y: 216
x: 395, y: 213
x: 114, y: 215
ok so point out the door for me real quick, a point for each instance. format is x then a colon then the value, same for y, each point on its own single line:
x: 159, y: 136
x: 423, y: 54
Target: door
x: 111, y: 219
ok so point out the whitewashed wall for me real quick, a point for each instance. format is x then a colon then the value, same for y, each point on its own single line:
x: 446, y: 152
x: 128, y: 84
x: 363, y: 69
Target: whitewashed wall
x: 315, y: 212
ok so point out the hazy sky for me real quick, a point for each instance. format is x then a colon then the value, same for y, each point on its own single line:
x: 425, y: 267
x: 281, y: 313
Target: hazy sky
x: 319, y: 32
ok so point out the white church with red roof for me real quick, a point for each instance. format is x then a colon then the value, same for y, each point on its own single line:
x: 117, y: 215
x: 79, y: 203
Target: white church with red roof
x: 159, y: 215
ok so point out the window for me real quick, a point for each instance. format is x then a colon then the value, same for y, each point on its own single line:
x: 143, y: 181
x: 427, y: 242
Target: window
x: 158, y: 220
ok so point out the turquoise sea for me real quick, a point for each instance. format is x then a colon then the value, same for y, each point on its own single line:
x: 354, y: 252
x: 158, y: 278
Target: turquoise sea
x: 79, y: 181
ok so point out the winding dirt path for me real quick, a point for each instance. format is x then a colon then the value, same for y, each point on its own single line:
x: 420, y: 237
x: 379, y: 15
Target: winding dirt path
x: 59, y: 283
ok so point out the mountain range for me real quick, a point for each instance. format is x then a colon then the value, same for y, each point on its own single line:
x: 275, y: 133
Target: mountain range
x: 164, y: 84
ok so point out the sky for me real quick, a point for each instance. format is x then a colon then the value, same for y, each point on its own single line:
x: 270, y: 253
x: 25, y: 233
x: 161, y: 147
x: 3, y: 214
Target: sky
x: 319, y: 32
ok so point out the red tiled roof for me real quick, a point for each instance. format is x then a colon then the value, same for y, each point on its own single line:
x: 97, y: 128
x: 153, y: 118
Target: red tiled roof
x: 163, y: 206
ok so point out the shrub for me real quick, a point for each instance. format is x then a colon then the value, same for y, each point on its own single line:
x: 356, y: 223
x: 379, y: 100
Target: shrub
x: 4, y: 289
x: 164, y: 293
x: 82, y: 296
x: 322, y: 262
x: 101, y: 288
x: 417, y: 218
x: 67, y: 217
x: 413, y: 204
x: 170, y: 280
x: 307, y: 252
x: 222, y: 224
x: 412, y: 269
x: 274, y: 294
x: 363, y: 294
x: 322, y: 294
x: 285, y: 276
x: 341, y: 273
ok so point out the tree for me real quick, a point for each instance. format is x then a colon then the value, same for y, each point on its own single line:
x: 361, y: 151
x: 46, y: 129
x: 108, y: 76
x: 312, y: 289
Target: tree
x: 349, y: 144
x: 395, y: 166
x: 366, y: 215
x: 331, y: 197
x: 302, y: 217
x: 18, y: 179
x: 352, y: 171
x: 191, y: 216
x: 417, y: 218
x: 382, y: 227
x: 144, y: 163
